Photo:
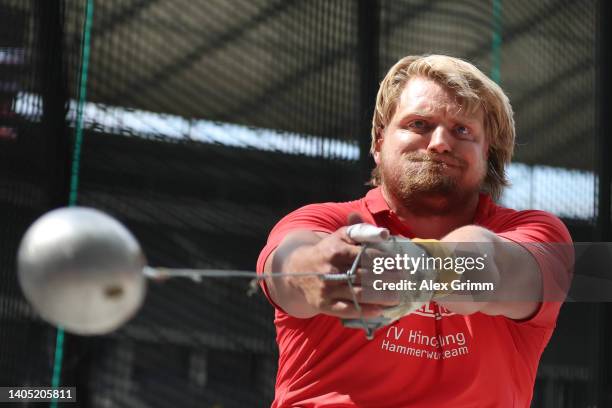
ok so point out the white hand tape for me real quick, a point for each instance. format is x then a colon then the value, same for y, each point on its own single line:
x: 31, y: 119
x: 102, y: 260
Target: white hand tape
x: 367, y: 233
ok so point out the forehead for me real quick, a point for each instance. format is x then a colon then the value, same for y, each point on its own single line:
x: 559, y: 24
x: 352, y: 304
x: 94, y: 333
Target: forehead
x: 422, y: 96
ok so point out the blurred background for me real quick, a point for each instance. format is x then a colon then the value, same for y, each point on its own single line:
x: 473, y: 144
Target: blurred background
x: 199, y: 123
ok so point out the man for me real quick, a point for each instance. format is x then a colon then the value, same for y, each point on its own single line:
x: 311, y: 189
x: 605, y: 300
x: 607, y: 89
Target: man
x: 442, y: 136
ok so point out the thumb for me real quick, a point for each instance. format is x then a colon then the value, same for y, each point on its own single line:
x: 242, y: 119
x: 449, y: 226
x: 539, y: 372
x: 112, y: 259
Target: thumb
x: 354, y: 218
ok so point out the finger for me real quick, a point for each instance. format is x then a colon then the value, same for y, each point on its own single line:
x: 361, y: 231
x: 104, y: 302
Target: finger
x: 344, y: 236
x: 366, y: 233
x: 342, y: 253
x: 372, y: 252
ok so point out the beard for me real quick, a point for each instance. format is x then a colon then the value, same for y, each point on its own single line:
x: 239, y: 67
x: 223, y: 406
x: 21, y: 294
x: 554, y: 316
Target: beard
x: 425, y: 185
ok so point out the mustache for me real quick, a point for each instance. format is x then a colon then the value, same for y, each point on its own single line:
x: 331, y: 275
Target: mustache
x: 445, y: 158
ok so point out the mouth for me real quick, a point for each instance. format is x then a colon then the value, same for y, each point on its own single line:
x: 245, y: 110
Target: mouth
x: 438, y: 162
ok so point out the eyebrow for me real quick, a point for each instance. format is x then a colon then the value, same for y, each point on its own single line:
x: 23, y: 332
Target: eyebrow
x: 426, y: 114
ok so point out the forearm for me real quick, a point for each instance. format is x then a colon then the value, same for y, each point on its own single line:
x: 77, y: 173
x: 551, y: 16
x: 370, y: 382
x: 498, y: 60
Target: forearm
x: 512, y: 270
x: 283, y: 291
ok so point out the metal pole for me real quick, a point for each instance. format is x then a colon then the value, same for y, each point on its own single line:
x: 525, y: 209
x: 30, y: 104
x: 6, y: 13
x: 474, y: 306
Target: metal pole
x: 368, y: 59
x: 604, y: 227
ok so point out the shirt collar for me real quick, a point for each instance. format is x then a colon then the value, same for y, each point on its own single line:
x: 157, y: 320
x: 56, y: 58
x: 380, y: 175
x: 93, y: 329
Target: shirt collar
x: 375, y: 202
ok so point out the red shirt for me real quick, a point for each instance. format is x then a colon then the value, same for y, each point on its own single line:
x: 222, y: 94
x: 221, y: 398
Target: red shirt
x: 430, y: 358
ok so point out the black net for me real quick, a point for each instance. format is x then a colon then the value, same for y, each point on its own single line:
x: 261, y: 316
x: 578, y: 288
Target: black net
x: 32, y: 175
x: 543, y: 55
x: 192, y: 113
x: 204, y: 122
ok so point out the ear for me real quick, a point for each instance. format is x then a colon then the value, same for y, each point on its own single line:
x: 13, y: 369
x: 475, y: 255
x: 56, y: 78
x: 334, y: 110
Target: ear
x: 487, y: 150
x: 378, y: 145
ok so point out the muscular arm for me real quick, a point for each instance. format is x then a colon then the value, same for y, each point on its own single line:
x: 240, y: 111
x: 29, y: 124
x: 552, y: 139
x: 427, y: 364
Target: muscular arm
x: 514, y: 271
x: 284, y: 292
x: 306, y: 251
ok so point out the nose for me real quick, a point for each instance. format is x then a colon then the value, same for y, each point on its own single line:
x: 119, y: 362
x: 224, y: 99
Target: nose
x: 440, y: 141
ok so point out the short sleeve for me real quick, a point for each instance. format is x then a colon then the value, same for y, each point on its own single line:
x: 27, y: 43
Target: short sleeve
x: 326, y: 217
x: 549, y: 242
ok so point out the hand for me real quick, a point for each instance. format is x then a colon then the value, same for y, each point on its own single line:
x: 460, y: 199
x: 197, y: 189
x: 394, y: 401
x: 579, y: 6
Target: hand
x: 409, y: 295
x: 334, y: 254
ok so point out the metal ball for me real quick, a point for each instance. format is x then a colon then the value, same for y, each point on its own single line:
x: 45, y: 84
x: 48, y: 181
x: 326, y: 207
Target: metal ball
x: 82, y: 270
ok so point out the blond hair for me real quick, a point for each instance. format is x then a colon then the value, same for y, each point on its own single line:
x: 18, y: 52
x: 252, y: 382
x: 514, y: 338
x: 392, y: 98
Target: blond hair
x: 473, y: 89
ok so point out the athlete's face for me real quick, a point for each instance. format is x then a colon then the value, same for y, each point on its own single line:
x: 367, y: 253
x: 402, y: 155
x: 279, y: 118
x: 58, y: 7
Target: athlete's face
x: 432, y: 156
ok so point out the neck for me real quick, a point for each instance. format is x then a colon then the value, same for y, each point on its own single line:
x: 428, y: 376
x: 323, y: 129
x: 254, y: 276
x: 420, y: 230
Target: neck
x: 434, y: 224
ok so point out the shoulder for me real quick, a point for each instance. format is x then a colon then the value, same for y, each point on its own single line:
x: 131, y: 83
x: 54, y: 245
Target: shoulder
x: 324, y: 217
x: 320, y: 217
x: 526, y: 225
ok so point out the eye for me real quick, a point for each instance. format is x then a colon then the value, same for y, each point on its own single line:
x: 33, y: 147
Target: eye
x: 463, y: 132
x: 418, y: 125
